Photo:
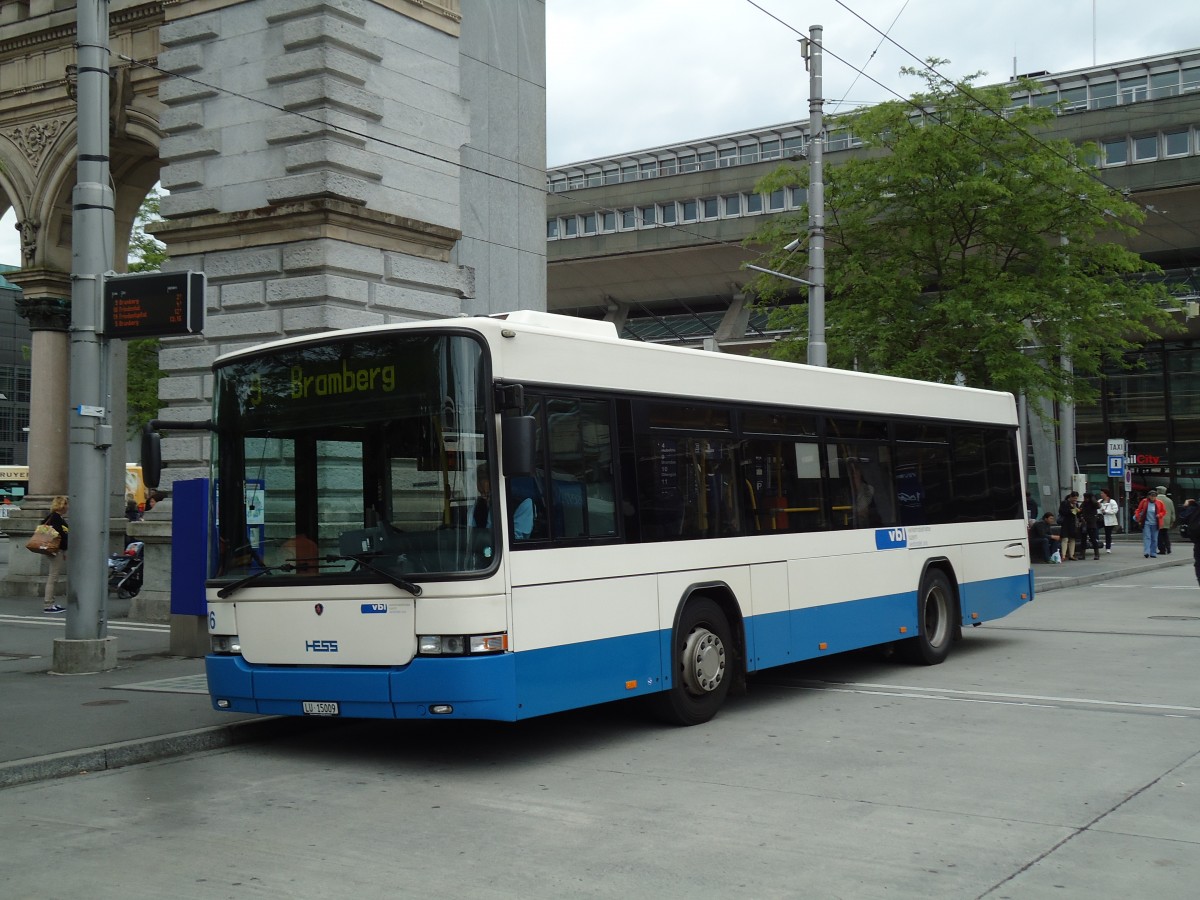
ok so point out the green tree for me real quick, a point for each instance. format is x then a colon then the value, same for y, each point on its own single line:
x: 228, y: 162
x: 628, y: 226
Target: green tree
x: 960, y: 245
x: 143, y: 374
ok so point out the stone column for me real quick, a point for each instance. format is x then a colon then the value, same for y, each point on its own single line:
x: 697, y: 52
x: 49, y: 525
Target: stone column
x: 50, y: 358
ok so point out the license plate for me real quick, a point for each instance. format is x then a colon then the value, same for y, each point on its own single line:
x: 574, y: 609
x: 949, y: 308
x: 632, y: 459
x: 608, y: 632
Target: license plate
x: 320, y: 708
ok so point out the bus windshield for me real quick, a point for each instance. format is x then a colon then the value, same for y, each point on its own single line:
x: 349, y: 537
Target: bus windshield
x: 360, y: 459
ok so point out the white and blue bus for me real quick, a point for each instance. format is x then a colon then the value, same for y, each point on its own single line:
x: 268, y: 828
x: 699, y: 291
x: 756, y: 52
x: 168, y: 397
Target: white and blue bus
x: 503, y: 517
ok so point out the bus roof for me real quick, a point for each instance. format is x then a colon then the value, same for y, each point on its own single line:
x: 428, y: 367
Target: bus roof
x: 545, y: 348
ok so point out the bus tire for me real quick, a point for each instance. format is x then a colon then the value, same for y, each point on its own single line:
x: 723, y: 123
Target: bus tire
x: 702, y: 656
x: 936, y: 615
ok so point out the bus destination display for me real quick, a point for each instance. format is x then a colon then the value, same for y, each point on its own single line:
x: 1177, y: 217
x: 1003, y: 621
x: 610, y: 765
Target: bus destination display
x: 154, y: 304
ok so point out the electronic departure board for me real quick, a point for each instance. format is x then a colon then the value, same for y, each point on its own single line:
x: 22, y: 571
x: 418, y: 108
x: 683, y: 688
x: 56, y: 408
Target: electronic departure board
x: 153, y: 304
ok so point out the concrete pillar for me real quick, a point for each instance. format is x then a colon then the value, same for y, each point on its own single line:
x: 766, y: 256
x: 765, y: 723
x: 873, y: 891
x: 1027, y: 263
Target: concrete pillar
x: 398, y: 173
x: 50, y: 362
x: 737, y: 316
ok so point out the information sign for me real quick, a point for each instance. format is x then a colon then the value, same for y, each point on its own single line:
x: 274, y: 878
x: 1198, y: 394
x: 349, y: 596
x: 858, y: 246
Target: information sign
x: 153, y: 304
x: 1116, y: 466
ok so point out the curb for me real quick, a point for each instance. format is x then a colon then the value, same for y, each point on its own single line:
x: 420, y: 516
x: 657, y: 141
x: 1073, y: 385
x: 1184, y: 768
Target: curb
x: 1075, y: 580
x: 130, y: 753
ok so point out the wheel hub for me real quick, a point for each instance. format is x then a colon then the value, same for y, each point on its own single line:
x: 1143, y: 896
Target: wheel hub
x: 703, y: 661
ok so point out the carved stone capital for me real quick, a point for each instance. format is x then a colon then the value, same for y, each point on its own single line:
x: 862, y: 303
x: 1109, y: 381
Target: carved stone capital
x: 44, y: 291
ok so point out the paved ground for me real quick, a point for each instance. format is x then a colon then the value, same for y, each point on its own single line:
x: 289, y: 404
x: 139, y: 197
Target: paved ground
x: 155, y: 705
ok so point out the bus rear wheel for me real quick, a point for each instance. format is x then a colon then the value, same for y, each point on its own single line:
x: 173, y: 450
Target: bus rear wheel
x: 936, y: 613
x: 701, y: 665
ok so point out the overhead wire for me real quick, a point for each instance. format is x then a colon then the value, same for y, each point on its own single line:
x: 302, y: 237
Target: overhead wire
x: 858, y: 73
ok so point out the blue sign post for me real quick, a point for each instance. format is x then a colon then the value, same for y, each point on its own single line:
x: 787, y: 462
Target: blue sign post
x: 1116, y: 467
x: 189, y: 547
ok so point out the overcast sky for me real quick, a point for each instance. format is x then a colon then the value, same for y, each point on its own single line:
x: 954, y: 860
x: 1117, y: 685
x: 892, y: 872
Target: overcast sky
x: 630, y: 74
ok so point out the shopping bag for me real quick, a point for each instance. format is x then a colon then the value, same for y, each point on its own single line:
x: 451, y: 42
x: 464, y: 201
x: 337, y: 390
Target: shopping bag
x: 1055, y: 557
x: 45, y: 540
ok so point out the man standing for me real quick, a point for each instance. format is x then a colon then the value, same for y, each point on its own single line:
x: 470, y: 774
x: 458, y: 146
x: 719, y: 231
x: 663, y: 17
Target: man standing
x: 1164, y: 527
x: 1149, y: 515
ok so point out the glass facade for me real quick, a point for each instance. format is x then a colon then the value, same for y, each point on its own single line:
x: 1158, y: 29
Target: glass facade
x: 1155, y: 406
x: 14, y: 376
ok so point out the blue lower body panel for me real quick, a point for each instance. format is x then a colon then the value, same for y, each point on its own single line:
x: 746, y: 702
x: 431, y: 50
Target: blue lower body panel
x: 513, y: 686
x: 481, y: 687
x: 507, y: 686
x: 982, y: 601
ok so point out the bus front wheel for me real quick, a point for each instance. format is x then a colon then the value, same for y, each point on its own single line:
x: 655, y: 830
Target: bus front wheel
x: 936, y: 609
x: 701, y: 665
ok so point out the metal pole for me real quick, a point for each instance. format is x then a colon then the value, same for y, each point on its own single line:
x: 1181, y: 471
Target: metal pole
x: 817, y: 351
x: 90, y: 433
x: 1066, y: 432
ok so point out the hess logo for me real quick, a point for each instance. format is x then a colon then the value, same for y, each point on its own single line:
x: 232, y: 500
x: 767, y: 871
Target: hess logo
x: 320, y: 646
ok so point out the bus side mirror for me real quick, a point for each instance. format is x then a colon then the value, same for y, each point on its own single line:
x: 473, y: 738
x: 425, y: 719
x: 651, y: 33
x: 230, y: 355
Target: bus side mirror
x: 151, y: 458
x: 517, y: 438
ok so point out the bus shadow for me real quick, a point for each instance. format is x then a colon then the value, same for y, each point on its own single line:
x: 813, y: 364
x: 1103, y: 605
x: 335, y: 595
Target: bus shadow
x: 466, y: 746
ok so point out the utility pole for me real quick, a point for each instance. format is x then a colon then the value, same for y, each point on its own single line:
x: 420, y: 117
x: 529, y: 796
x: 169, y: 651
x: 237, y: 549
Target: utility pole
x: 87, y: 646
x: 817, y: 351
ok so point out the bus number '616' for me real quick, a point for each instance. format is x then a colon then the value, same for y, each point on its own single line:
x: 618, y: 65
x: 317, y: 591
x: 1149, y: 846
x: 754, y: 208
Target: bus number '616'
x: 321, y: 646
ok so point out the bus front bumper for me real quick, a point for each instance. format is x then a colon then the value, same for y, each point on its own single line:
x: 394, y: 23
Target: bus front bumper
x: 480, y: 687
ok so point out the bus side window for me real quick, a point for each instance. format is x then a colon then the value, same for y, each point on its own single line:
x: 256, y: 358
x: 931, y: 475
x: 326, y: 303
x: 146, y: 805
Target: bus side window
x: 579, y: 488
x: 690, y: 487
x: 783, y: 481
x: 527, y: 514
x: 861, y: 481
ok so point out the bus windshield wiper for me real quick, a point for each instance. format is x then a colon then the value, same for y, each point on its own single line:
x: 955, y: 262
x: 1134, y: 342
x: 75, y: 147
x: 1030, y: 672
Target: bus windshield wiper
x: 361, y: 559
x: 229, y: 589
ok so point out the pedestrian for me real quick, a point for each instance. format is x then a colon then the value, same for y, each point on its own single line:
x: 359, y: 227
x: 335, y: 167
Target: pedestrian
x: 1189, y: 515
x: 1068, y: 519
x: 56, y: 519
x: 1089, y: 517
x: 1042, y: 539
x: 1164, y: 529
x: 1108, y: 509
x: 1149, y: 515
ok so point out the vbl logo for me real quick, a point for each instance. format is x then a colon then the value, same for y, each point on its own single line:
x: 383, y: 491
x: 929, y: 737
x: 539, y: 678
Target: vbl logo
x: 321, y: 646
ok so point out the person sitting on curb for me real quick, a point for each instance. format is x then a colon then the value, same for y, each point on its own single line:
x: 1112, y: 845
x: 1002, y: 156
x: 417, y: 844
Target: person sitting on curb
x: 1042, y: 539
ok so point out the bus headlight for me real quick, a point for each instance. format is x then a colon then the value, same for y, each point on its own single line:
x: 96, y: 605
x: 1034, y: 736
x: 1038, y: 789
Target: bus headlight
x: 226, y: 643
x: 461, y: 645
x: 489, y: 643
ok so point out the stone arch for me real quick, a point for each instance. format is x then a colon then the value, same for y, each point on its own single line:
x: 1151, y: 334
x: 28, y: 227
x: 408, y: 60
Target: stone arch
x: 16, y: 181
x: 52, y: 192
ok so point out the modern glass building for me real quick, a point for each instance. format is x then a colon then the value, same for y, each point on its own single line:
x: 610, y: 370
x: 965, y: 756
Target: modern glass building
x: 14, y: 376
x: 652, y: 239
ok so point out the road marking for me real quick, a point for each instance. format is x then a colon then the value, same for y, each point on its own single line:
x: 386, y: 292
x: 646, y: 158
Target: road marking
x: 182, y: 684
x: 937, y: 693
x: 59, y: 620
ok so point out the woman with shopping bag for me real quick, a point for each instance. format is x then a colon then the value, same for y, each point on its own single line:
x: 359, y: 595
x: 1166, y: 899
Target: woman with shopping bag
x: 57, y: 519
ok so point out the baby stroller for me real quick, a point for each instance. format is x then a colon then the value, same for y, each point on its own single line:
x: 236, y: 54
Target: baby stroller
x: 125, y: 570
